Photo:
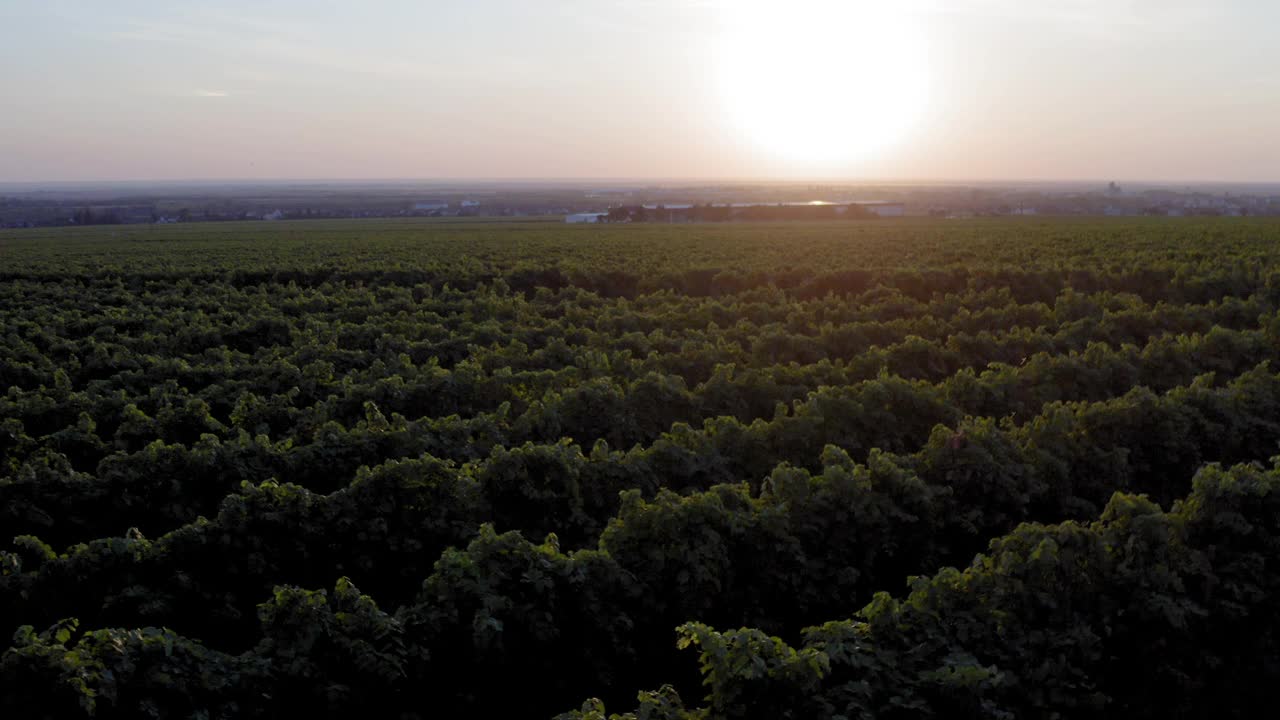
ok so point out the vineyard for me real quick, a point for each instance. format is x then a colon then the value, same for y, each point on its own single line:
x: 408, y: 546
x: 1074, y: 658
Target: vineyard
x: 412, y: 469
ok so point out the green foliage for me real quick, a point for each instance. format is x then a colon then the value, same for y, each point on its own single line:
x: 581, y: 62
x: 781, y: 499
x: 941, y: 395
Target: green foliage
x: 1140, y: 613
x: 909, y: 470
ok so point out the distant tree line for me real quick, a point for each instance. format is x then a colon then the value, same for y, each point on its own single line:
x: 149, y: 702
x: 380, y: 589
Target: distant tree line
x: 87, y: 216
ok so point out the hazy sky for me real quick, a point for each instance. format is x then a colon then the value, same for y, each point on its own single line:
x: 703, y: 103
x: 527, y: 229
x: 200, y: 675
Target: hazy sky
x: 1015, y: 89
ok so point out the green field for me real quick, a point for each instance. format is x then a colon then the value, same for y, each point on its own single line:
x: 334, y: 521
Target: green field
x: 412, y: 469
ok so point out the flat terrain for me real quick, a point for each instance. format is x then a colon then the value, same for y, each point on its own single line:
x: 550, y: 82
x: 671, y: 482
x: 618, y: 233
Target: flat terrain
x: 465, y: 245
x: 412, y: 468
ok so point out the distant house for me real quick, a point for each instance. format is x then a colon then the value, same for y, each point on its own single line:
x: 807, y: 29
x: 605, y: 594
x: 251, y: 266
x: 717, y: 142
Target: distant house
x: 430, y: 207
x: 274, y: 215
x: 584, y: 218
x: 466, y: 204
x: 883, y: 208
x: 754, y: 212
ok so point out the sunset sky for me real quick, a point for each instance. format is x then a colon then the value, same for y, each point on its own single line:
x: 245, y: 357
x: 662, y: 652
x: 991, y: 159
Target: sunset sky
x: 923, y: 89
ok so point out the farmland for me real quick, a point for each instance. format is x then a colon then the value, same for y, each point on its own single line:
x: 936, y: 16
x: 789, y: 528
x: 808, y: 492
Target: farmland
x: 400, y: 468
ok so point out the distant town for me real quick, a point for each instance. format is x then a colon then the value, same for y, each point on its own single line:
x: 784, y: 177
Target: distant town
x: 139, y: 203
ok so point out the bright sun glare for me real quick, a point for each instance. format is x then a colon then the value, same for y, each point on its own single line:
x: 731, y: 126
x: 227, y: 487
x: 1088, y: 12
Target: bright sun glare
x: 822, y: 82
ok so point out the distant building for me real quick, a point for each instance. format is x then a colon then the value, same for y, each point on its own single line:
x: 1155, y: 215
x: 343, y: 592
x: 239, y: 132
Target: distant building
x: 274, y: 215
x: 429, y: 207
x: 754, y: 212
x: 609, y: 193
x: 883, y: 208
x: 578, y: 218
x: 470, y: 204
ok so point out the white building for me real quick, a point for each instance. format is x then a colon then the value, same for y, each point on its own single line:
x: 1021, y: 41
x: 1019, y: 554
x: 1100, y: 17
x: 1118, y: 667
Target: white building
x: 428, y: 207
x: 584, y: 218
x: 470, y: 204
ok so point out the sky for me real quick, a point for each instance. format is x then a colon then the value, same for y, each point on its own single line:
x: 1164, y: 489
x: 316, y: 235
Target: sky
x: 1161, y: 90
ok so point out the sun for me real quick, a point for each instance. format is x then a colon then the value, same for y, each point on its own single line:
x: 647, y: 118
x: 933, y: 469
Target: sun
x: 822, y: 83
